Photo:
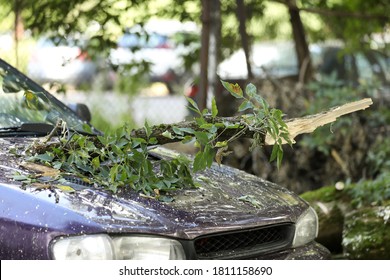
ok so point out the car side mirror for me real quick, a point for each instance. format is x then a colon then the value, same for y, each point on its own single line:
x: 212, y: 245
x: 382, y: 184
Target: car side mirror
x: 81, y: 110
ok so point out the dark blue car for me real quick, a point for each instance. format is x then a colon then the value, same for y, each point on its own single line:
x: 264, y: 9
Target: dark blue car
x: 44, y: 220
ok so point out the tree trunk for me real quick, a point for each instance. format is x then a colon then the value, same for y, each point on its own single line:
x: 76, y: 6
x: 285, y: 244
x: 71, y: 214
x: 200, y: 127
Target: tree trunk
x: 204, y: 54
x: 301, y: 45
x: 241, y: 16
x: 214, y: 49
x: 18, y: 28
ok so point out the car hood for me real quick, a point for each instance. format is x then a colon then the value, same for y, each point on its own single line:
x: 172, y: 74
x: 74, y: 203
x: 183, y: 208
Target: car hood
x: 226, y: 199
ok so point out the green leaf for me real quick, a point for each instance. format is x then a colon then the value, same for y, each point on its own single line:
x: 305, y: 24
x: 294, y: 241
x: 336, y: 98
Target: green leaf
x: 194, y: 107
x: 231, y: 125
x: 19, y: 177
x: 103, y: 140
x: 153, y: 141
x: 148, y: 130
x: 114, y: 172
x: 214, y: 109
x: 136, y: 142
x: 275, y: 127
x: 201, y: 137
x: 178, y: 131
x: 45, y: 157
x: 96, y: 162
x: 200, y: 121
x: 274, y: 154
x: 206, y: 126
x: 234, y: 89
x: 194, y: 110
x: 245, y: 105
x: 203, y: 159
x: 87, y: 128
x: 221, y: 144
x: 187, y: 130
x: 187, y: 139
x: 278, y: 114
x: 209, y: 156
x: 167, y: 134
x: 251, y: 90
x: 265, y: 106
x: 120, y: 132
x: 211, y: 127
x: 277, y: 154
x: 199, y: 163
x: 57, y: 165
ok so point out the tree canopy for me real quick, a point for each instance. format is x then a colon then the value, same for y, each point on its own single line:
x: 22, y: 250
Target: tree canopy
x: 105, y: 19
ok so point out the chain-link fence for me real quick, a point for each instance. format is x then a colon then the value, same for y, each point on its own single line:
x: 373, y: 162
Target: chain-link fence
x: 117, y: 109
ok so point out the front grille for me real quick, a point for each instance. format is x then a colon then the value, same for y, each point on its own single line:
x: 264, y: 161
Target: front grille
x: 244, y: 243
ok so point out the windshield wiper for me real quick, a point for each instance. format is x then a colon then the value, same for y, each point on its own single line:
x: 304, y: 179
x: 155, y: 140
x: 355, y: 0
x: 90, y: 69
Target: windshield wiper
x: 38, y: 129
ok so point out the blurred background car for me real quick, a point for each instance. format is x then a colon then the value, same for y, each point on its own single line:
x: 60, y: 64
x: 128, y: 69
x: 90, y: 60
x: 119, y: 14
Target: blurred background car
x: 275, y: 59
x: 279, y: 60
x: 354, y: 68
x: 61, y: 60
x: 159, y: 48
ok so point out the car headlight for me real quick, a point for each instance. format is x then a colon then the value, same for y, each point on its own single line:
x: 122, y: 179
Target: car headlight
x: 85, y: 247
x: 102, y: 246
x: 143, y: 248
x: 306, y: 228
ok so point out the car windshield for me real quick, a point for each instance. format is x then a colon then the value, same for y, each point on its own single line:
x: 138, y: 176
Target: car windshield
x: 22, y: 101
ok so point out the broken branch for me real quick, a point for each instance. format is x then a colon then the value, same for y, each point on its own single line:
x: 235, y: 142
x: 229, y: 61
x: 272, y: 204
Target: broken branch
x: 295, y: 126
x: 309, y: 123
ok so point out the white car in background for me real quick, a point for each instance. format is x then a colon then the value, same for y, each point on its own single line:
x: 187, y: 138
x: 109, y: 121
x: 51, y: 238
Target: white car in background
x: 162, y: 45
x: 279, y: 60
x: 61, y: 60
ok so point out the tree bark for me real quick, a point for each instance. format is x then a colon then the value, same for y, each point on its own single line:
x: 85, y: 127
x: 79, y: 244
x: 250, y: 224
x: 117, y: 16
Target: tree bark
x: 204, y: 54
x: 301, y: 45
x: 18, y: 27
x: 241, y: 15
x: 214, y: 49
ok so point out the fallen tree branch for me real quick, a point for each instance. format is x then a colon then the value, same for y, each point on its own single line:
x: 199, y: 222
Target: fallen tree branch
x: 295, y: 126
x: 224, y: 133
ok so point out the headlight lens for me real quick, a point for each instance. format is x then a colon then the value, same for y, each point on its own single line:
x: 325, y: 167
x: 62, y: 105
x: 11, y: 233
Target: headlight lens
x: 306, y: 228
x: 86, y: 247
x: 104, y: 247
x: 143, y: 248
